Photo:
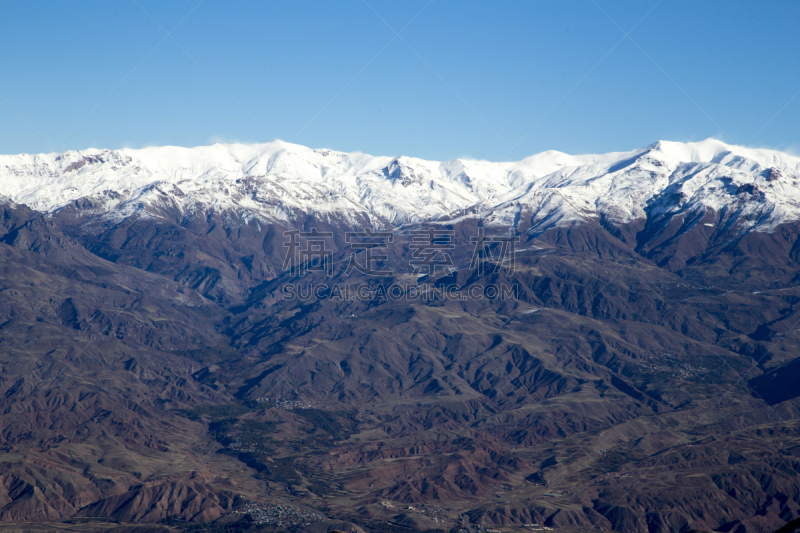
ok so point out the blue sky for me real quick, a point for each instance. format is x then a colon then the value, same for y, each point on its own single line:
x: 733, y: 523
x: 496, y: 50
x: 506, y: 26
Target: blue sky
x: 491, y: 80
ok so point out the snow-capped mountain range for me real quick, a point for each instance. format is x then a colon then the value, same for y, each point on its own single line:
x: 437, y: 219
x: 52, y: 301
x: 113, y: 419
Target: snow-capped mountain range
x: 280, y: 181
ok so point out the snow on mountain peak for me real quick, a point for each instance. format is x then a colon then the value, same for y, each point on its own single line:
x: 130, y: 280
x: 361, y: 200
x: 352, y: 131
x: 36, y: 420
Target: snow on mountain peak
x: 280, y: 181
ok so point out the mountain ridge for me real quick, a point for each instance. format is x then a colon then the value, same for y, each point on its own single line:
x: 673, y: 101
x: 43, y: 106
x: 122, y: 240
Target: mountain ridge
x: 280, y: 181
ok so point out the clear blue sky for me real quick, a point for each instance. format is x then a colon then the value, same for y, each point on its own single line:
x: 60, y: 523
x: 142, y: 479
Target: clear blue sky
x: 464, y: 79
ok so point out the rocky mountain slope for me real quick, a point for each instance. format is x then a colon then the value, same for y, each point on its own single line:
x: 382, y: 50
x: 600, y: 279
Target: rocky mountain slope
x: 631, y: 363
